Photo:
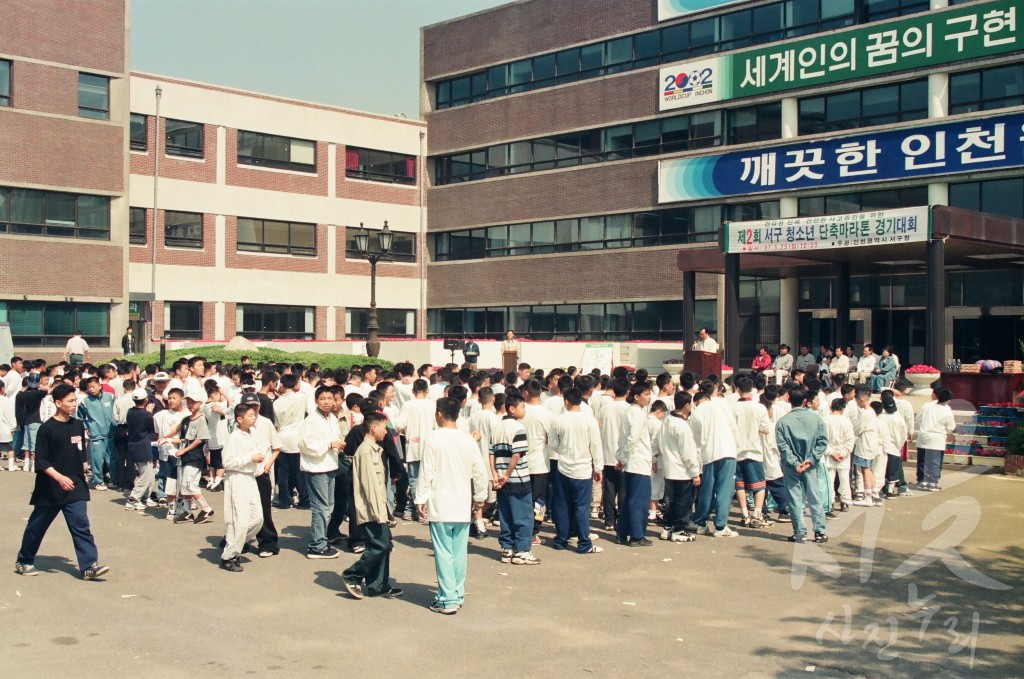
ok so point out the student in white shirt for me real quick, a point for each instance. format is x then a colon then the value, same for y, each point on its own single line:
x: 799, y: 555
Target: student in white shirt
x: 837, y: 458
x: 751, y: 424
x: 635, y: 460
x: 658, y: 411
x: 935, y: 426
x: 714, y: 429
x: 906, y: 411
x: 576, y: 437
x: 289, y: 414
x: 611, y: 430
x: 419, y: 417
x: 892, y: 434
x: 681, y: 466
x: 453, y: 483
x: 243, y: 459
x: 319, y: 443
x: 167, y: 423
x: 537, y: 423
x: 8, y: 425
x: 483, y: 422
x: 867, y: 448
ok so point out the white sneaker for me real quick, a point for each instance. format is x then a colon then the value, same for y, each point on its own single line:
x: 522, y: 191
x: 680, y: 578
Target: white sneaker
x: 666, y: 534
x: 726, y: 533
x: 866, y: 502
x: 682, y: 536
x: 150, y: 502
x: 525, y: 559
x: 170, y: 515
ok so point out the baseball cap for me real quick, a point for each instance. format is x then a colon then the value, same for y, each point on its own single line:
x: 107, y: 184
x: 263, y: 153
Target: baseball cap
x: 195, y: 394
x: 250, y: 400
x: 32, y: 380
x: 160, y: 377
x: 140, y: 394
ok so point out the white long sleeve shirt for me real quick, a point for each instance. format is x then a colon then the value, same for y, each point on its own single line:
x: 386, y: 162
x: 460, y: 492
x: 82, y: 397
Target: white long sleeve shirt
x: 611, y: 429
x: 269, y: 441
x: 7, y: 422
x: 576, y: 438
x: 934, y: 423
x: 484, y: 422
x: 315, y: 436
x: 772, y: 454
x: 841, y: 440
x: 635, y: 451
x: 537, y: 423
x: 714, y: 429
x: 751, y: 423
x: 867, y: 364
x: 680, y: 460
x: 906, y: 411
x: 419, y: 422
x: 289, y: 413
x: 892, y: 433
x: 452, y: 476
x: 866, y: 429
x: 238, y: 452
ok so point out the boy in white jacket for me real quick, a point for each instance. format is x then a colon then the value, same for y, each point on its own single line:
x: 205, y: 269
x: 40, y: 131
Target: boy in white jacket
x: 319, y: 443
x: 867, y: 448
x: 680, y: 463
x: 841, y: 440
x: 751, y: 424
x: 8, y: 425
x: 243, y: 515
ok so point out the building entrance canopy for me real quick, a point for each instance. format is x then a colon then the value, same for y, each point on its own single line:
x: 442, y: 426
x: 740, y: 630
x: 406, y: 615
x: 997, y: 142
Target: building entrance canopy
x: 959, y: 238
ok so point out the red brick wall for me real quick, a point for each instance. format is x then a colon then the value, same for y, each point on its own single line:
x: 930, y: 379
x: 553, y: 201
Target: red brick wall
x: 48, y: 89
x: 158, y: 319
x: 210, y: 321
x: 233, y: 259
x: 524, y: 28
x: 320, y: 323
x: 559, y: 279
x: 58, y: 266
x: 339, y: 322
x: 61, y: 153
x: 230, y: 320
x: 87, y: 33
x: 275, y: 180
x: 178, y: 167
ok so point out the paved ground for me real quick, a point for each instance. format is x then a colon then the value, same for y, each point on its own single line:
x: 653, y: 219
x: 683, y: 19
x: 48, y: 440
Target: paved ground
x: 714, y: 608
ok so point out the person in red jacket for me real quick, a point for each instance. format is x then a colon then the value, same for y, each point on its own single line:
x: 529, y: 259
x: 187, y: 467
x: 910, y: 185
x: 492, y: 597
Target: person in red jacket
x: 762, y: 361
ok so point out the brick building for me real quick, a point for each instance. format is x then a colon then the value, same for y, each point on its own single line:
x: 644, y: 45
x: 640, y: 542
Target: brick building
x: 63, y: 173
x: 554, y: 139
x: 258, y: 201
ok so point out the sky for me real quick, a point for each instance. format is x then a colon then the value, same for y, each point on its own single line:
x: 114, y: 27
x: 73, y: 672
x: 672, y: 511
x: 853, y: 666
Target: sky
x: 359, y: 54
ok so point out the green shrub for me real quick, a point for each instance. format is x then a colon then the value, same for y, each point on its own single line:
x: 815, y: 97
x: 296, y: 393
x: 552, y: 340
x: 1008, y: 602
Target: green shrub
x: 1015, y: 443
x: 217, y: 353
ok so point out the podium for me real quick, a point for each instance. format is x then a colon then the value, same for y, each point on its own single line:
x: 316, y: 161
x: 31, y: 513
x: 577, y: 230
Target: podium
x: 703, y: 363
x: 509, y: 361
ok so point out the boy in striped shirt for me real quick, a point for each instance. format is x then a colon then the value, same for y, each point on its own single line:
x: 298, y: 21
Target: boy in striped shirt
x: 511, y: 477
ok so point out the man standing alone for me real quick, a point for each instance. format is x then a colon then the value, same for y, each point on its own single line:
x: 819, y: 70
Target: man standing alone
x: 802, y: 439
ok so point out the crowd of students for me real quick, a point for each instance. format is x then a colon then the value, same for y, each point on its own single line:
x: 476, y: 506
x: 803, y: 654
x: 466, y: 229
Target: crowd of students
x: 465, y: 451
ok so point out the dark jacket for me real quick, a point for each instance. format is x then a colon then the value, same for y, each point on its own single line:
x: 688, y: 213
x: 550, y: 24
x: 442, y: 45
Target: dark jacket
x: 26, y: 406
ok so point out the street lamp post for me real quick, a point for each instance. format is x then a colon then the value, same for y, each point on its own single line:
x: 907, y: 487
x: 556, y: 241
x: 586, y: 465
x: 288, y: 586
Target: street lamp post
x: 384, y: 238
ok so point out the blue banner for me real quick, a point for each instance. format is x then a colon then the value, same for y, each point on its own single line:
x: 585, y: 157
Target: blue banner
x: 949, y: 148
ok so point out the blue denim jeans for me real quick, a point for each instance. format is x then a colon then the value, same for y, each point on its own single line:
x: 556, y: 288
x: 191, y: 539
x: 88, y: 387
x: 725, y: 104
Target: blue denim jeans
x: 932, y: 465
x: 804, y: 489
x: 101, y: 452
x: 321, y: 501
x: 571, y: 509
x: 28, y: 436
x: 76, y: 517
x: 515, y: 512
x: 717, y: 485
x: 168, y: 470
x: 633, y: 507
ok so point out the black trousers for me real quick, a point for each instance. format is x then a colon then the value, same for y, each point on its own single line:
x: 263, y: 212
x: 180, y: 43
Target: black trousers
x: 611, y: 491
x: 342, y: 490
x: 267, y: 537
x: 680, y: 503
x: 539, y: 485
x: 894, y: 471
x: 123, y: 473
x: 374, y: 566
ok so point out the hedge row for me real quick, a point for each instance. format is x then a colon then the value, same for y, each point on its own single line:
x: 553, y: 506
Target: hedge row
x: 218, y: 353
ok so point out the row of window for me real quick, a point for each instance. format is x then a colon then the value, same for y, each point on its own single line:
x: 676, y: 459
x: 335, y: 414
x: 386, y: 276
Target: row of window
x: 614, y: 321
x: 50, y: 324
x: 674, y: 226
x: 54, y: 213
x: 184, y: 138
x: 902, y: 102
x: 184, y: 320
x: 185, y: 230
x: 649, y: 138
x: 742, y: 28
x: 964, y: 288
x: 93, y: 92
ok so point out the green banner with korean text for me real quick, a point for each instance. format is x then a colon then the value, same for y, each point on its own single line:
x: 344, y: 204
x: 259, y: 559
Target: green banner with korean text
x: 920, y: 41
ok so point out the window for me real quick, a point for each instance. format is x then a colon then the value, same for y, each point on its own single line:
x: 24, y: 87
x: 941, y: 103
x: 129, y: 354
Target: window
x: 49, y: 213
x: 287, y: 238
x: 863, y: 108
x: 267, y: 322
x: 93, y: 96
x: 184, y: 138
x: 392, y: 322
x: 843, y: 203
x: 996, y: 196
x: 283, y: 153
x: 50, y: 324
x: 138, y: 132
x: 642, y: 229
x: 183, y: 320
x: 380, y: 166
x: 137, y: 225
x: 741, y: 28
x: 985, y: 90
x: 183, y: 229
x: 754, y: 123
x: 5, y: 82
x: 403, y: 245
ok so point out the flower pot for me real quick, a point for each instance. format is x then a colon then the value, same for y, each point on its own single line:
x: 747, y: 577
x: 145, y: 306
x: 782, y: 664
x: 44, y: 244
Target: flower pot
x: 672, y: 368
x: 921, y: 380
x: 726, y: 374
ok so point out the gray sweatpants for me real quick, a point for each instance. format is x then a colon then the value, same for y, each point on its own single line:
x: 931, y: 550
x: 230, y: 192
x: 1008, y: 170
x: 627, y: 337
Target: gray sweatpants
x: 146, y: 474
